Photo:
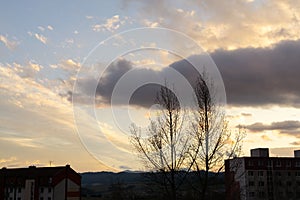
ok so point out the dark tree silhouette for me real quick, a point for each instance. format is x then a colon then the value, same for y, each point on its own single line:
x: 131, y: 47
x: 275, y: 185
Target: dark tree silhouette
x: 165, y: 148
x: 173, y: 145
x: 213, y: 142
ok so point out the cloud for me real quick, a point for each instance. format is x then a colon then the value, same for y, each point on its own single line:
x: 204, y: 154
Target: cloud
x: 145, y: 94
x: 89, y: 17
x: 29, y: 70
x: 289, y: 127
x: 41, y: 38
x: 7, y: 160
x: 111, y: 24
x: 149, y: 23
x: 41, y: 28
x: 224, y: 24
x: 254, y: 77
x: 282, y: 151
x: 246, y: 114
x: 40, y: 106
x: 11, y: 45
x: 23, y: 142
x: 295, y: 143
x: 261, y: 76
x: 70, y: 64
x: 266, y: 138
x: 124, y: 167
x: 50, y: 28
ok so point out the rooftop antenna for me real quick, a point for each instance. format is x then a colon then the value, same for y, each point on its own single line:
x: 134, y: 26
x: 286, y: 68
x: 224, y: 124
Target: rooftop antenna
x: 50, y: 162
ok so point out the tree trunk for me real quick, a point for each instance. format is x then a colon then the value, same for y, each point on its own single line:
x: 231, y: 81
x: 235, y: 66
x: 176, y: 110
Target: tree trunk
x: 205, y: 181
x: 173, y: 186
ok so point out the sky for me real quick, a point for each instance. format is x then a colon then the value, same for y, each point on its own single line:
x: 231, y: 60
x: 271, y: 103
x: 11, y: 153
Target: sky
x: 75, y: 74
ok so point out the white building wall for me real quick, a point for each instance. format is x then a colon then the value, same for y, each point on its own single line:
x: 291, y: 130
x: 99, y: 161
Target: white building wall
x: 20, y: 192
x: 59, y: 190
x: 29, y: 189
x: 10, y: 193
x: 73, y: 187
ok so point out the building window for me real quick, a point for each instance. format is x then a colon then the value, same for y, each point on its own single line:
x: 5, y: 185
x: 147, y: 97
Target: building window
x: 251, y: 194
x: 261, y: 194
x: 250, y: 163
x: 261, y: 173
x: 49, y: 198
x: 297, y: 173
x: 289, y: 183
x: 269, y: 163
x: 288, y: 163
x: 41, y: 198
x: 49, y: 189
x: 250, y: 173
x: 19, y: 190
x: 280, y: 194
x: 289, y: 173
x: 261, y: 183
x: 42, y: 189
x: 278, y: 173
x: 19, y: 198
x: 279, y: 183
x: 278, y: 163
x: 260, y: 163
x: 269, y: 173
x: 298, y: 183
x: 251, y: 183
x: 289, y: 194
x: 297, y: 164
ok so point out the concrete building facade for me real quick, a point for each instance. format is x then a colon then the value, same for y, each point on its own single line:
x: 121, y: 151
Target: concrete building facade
x: 263, y: 177
x: 45, y: 183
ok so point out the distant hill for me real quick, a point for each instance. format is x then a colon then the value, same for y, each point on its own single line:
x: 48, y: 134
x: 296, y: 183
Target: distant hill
x: 106, y: 184
x: 96, y: 178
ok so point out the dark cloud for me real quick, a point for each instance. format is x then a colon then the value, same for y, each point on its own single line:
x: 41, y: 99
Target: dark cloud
x: 290, y: 127
x: 252, y: 76
x: 124, y: 167
x: 145, y: 95
x: 261, y: 76
x: 111, y: 76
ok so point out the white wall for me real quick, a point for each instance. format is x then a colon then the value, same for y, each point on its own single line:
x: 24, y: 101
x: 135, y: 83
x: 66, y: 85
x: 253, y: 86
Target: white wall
x: 59, y: 190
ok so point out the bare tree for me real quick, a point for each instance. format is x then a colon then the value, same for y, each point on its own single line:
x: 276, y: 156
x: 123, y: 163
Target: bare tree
x: 165, y: 147
x: 201, y: 144
x: 213, y: 142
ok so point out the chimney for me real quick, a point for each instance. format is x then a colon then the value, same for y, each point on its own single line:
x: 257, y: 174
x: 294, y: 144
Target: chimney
x: 297, y: 153
x: 260, y: 152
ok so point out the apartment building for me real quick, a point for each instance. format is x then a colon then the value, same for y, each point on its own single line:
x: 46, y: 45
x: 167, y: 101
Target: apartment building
x: 263, y: 177
x: 44, y: 183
